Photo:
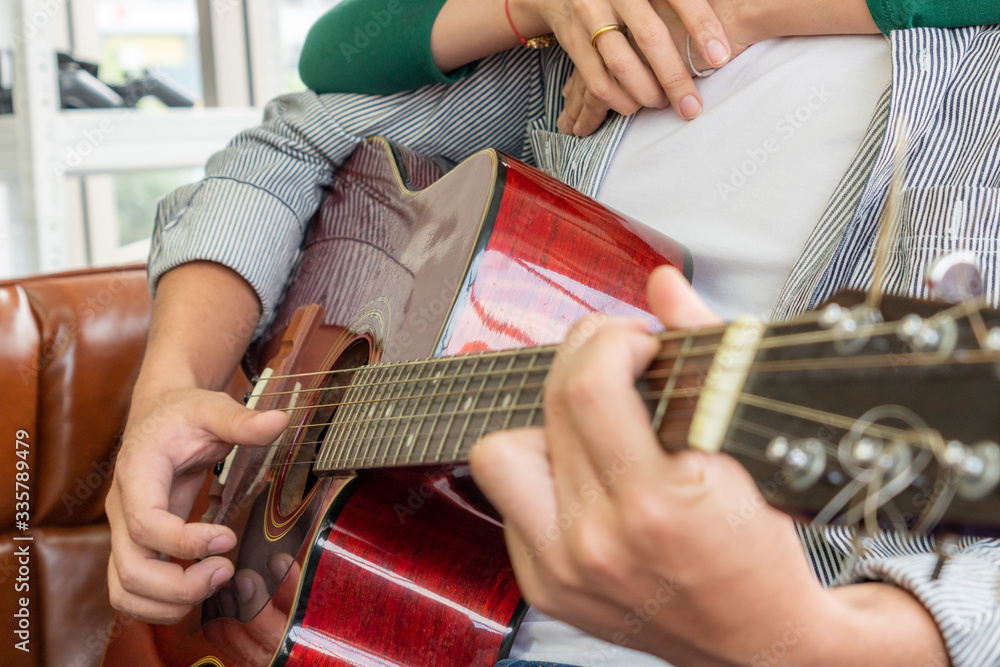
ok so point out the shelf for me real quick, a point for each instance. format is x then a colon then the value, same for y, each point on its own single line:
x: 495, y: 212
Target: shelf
x: 108, y: 140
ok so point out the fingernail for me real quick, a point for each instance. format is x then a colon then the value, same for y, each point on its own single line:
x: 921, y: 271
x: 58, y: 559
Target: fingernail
x: 244, y: 587
x: 690, y: 107
x: 220, y: 577
x: 561, y: 119
x: 577, y: 130
x: 221, y: 544
x: 717, y: 53
x: 568, y: 86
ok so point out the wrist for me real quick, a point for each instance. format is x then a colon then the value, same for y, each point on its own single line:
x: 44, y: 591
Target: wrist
x: 747, y: 22
x: 527, y: 17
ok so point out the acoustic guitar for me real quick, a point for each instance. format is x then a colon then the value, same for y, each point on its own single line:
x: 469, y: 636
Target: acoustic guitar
x: 423, y: 314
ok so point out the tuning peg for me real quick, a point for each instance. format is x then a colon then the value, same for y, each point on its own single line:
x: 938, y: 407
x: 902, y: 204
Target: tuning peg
x: 803, y: 461
x: 945, y: 548
x: 254, y: 380
x: 955, y: 277
x: 246, y: 397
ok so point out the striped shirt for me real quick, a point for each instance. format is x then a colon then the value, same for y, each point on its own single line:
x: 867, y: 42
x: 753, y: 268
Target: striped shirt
x: 252, y: 210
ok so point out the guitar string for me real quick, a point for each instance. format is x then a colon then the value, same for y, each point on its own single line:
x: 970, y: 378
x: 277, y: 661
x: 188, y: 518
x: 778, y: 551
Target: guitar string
x: 679, y: 393
x: 970, y: 309
x: 749, y: 451
x: 663, y: 337
x: 805, y: 414
x: 697, y: 352
x: 892, y: 360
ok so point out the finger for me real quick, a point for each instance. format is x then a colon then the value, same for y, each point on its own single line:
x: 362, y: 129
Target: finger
x: 702, y: 23
x: 230, y: 422
x: 595, y: 76
x: 596, y: 396
x: 143, y: 609
x: 629, y: 71
x: 512, y: 470
x: 574, y: 102
x: 141, y: 572
x: 674, y: 301
x: 141, y: 508
x: 590, y: 117
x: 671, y: 70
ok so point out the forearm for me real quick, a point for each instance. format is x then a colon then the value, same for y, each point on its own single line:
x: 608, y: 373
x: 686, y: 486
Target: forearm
x: 875, y: 619
x: 754, y: 21
x: 467, y: 30
x: 203, y: 318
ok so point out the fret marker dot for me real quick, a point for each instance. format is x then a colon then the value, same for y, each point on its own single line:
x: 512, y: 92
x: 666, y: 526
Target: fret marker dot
x: 388, y: 411
x: 371, y: 412
x: 467, y: 404
x: 409, y: 441
x: 506, y: 400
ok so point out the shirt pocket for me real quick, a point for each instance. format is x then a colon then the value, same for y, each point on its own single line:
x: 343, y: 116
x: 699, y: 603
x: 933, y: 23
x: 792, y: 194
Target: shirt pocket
x: 938, y: 221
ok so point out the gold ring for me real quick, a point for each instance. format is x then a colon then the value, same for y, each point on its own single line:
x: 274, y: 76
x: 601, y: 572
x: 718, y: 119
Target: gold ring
x: 608, y: 28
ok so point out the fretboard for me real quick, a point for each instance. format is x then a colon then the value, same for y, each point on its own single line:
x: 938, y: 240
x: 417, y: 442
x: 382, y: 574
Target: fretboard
x: 431, y: 412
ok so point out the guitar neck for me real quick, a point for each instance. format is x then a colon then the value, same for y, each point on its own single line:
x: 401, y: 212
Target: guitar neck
x: 431, y: 412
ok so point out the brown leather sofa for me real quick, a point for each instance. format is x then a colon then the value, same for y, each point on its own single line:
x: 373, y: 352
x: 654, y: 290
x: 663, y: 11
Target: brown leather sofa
x: 70, y: 346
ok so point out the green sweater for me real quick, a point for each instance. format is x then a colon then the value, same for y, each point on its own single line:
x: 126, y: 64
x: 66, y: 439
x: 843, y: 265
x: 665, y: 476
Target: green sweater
x: 379, y: 48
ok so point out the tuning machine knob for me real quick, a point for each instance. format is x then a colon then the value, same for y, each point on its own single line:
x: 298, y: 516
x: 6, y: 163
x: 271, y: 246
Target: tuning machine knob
x: 976, y: 467
x: 955, y: 277
x: 937, y: 334
x: 803, y: 461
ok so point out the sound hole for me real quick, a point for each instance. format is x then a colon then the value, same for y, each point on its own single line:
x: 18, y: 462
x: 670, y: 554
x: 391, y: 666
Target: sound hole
x: 301, y: 478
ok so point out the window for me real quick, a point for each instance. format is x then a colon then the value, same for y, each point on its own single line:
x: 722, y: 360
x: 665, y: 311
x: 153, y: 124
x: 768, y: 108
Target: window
x: 157, y: 35
x: 296, y: 17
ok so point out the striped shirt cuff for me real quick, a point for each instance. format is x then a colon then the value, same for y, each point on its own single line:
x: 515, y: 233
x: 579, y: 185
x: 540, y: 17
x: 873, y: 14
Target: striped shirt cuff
x: 207, y: 221
x: 962, y: 600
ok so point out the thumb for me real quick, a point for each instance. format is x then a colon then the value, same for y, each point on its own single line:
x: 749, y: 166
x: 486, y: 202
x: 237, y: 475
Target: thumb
x: 675, y: 302
x: 231, y: 422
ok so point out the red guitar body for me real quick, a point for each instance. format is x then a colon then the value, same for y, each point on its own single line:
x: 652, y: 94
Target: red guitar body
x: 397, y: 566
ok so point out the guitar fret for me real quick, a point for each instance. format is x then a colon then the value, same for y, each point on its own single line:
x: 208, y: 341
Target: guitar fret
x: 433, y: 384
x: 406, y: 421
x: 372, y: 404
x: 352, y: 398
x: 391, y: 406
x: 493, y: 403
x: 530, y: 421
x: 668, y: 389
x: 331, y: 441
x: 454, y: 411
x: 361, y: 416
x: 419, y: 418
x: 468, y: 415
x: 520, y: 389
x: 445, y: 406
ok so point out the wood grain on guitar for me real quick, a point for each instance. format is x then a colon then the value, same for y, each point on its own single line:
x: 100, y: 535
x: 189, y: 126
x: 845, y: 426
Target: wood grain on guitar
x: 362, y: 539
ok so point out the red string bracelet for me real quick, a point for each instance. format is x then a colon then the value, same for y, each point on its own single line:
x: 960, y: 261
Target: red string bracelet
x: 540, y: 42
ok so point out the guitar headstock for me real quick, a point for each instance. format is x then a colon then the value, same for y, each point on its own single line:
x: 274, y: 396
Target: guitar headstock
x: 883, y: 418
